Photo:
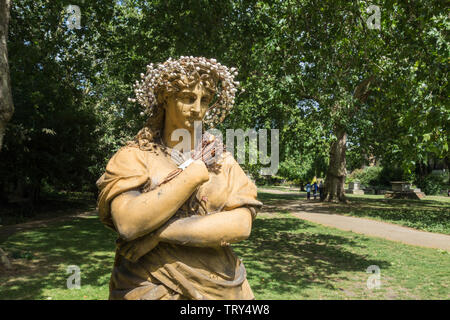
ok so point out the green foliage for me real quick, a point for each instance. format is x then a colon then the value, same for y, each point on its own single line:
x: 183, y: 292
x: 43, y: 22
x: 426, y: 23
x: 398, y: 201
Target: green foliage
x: 302, y: 169
x: 377, y: 176
x: 432, y: 184
x: 53, y: 136
x: 409, y: 117
x: 392, y: 173
x: 369, y: 176
x: 299, y: 61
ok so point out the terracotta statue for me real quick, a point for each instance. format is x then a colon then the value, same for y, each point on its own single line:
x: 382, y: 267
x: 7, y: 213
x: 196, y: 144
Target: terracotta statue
x: 176, y: 217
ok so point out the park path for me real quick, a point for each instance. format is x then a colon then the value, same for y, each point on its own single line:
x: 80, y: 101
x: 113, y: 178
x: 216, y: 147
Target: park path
x: 7, y: 231
x: 306, y: 211
x: 364, y: 226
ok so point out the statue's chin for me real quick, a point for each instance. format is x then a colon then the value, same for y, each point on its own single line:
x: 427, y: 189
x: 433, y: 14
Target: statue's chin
x: 190, y: 123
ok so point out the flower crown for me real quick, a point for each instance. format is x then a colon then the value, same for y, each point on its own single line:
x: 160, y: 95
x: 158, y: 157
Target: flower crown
x: 174, y: 75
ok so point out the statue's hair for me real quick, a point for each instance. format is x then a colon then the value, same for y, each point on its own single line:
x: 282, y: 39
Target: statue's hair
x: 173, y: 76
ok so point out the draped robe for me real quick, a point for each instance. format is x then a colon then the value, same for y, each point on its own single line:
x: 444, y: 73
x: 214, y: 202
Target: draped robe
x: 173, y: 271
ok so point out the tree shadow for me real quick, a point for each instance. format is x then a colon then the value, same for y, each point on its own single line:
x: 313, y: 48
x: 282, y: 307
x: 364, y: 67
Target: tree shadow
x: 83, y: 242
x: 428, y: 215
x: 279, y: 249
x: 281, y: 255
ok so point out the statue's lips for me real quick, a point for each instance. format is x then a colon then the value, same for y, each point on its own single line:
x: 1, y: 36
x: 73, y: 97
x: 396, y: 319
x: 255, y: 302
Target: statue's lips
x: 193, y: 119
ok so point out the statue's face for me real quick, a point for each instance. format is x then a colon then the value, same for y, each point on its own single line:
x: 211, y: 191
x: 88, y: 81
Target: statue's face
x: 187, y: 106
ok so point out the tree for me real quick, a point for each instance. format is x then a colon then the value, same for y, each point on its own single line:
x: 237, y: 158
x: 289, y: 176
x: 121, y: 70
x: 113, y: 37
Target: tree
x: 366, y: 85
x: 312, y: 69
x: 52, y: 138
x: 409, y: 113
x: 6, y: 102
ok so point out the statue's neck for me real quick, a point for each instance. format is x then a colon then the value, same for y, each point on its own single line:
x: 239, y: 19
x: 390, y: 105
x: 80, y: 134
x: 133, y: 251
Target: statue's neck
x: 166, y: 138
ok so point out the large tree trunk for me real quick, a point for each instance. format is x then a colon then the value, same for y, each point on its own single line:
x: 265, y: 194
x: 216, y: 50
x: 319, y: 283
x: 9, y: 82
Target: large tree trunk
x: 6, y: 103
x: 334, y: 182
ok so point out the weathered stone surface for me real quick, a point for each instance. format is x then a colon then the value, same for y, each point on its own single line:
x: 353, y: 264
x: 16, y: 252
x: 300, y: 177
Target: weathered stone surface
x: 353, y: 186
x: 400, y: 186
x: 404, y: 195
x: 353, y: 191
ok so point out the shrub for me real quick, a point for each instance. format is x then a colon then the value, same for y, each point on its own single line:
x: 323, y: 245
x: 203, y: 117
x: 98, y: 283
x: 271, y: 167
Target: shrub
x: 389, y: 174
x: 366, y: 176
x: 379, y: 177
x: 432, y: 184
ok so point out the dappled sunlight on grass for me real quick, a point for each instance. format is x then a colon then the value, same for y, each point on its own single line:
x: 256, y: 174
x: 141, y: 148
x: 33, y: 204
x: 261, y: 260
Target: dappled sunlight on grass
x: 431, y: 214
x: 288, y: 258
x: 285, y: 258
x: 84, y: 242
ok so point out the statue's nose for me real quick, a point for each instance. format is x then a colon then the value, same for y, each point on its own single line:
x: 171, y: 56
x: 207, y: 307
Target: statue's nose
x: 196, y: 107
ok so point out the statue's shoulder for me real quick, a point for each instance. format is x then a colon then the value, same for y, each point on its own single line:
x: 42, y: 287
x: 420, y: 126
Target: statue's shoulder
x: 128, y: 157
x: 228, y: 160
x: 135, y: 156
x: 128, y: 152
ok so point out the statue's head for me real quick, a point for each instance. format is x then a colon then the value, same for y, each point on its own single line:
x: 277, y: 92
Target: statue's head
x: 183, y: 91
x: 187, y: 105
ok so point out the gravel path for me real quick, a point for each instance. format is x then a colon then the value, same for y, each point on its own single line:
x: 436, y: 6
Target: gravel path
x: 306, y: 211
x: 368, y: 227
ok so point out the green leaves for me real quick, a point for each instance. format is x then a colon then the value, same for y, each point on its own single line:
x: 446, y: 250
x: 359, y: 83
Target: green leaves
x: 301, y: 63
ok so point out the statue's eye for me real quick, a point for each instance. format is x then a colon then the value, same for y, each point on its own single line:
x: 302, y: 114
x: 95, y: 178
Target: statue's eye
x: 206, y: 100
x: 188, y: 99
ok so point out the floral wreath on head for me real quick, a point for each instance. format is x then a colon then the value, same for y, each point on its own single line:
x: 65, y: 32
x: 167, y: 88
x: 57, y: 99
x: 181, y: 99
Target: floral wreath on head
x: 174, y: 75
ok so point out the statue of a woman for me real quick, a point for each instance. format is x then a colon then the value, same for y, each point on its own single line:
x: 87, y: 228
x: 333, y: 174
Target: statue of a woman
x: 175, y: 232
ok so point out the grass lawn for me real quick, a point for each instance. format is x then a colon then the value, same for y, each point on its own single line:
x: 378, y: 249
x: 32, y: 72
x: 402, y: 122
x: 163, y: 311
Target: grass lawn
x: 51, y: 205
x: 285, y: 258
x: 430, y: 214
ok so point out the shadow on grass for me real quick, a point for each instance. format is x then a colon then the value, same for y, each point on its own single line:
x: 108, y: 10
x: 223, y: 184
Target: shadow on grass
x: 266, y: 196
x: 428, y: 215
x: 84, y: 242
x: 49, y: 206
x: 282, y: 257
x: 280, y: 250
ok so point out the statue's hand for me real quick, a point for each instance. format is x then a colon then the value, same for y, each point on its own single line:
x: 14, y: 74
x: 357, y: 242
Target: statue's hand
x: 198, y: 171
x: 209, y: 149
x: 135, y: 249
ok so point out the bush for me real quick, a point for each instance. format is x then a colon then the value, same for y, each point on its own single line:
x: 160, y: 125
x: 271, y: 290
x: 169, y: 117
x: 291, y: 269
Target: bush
x: 367, y: 176
x: 432, y: 184
x: 379, y: 177
x: 389, y: 174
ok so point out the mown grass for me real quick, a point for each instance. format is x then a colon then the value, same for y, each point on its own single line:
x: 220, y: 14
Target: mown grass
x: 51, y: 205
x: 430, y: 214
x: 46, y: 253
x: 285, y: 258
x: 288, y: 258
